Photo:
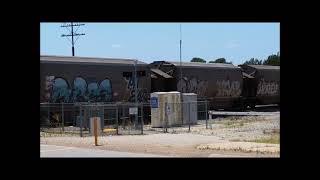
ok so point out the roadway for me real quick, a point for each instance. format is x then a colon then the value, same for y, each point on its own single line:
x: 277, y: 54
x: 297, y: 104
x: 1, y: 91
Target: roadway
x: 63, y: 151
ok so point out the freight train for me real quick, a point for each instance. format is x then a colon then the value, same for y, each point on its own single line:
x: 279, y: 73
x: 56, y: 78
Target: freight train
x: 224, y: 86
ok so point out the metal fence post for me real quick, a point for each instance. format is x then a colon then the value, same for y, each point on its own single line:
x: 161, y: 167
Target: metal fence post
x: 102, y: 118
x: 62, y: 116
x: 189, y: 116
x: 166, y: 117
x: 123, y: 116
x: 117, y: 120
x: 206, y: 114
x: 80, y: 118
x: 49, y: 114
x: 142, y: 123
x: 88, y: 119
x: 95, y: 130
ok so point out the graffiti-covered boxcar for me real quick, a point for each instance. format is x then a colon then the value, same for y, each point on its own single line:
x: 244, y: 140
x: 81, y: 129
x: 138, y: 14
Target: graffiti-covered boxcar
x: 221, y: 84
x: 265, y: 83
x: 81, y: 79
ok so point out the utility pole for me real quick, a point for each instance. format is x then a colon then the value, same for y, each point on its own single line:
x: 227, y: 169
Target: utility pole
x: 72, y: 34
x: 180, y: 61
x: 181, y: 109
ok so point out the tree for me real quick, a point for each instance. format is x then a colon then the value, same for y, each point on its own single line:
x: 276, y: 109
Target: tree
x: 220, y: 60
x: 196, y: 59
x: 273, y: 60
x: 253, y: 61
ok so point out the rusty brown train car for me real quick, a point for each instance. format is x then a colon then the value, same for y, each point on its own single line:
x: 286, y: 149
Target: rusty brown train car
x: 262, y: 85
x: 81, y: 79
x: 221, y: 84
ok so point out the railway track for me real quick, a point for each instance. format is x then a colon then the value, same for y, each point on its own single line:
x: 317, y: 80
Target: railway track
x: 266, y: 108
x: 259, y: 110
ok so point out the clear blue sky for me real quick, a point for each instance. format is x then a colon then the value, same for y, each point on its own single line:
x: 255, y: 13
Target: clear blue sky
x: 237, y: 42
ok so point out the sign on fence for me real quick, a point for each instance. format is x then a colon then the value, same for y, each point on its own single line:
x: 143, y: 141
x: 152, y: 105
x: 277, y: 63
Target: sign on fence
x: 154, y: 102
x: 133, y: 110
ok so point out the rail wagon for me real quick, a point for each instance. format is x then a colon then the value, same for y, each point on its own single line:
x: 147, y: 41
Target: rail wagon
x: 221, y: 84
x: 69, y: 80
x: 263, y: 85
x: 81, y: 79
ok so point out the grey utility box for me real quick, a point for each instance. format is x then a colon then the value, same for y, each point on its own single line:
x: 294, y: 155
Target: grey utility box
x: 190, y: 108
x: 162, y: 115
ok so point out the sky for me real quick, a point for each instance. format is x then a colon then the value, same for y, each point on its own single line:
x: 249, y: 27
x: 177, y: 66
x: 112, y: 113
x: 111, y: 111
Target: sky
x: 148, y: 42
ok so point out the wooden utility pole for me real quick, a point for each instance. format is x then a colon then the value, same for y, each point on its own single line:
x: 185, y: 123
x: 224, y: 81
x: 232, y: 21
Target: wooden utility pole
x: 72, y: 34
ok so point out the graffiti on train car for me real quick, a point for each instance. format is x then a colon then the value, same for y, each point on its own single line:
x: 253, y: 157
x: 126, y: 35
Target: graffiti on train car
x: 142, y: 95
x: 58, y: 90
x: 193, y: 85
x: 228, y: 88
x: 267, y: 88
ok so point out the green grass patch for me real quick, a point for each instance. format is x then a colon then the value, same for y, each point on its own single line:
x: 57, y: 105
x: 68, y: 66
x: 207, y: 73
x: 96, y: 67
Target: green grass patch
x: 233, y: 124
x: 273, y: 139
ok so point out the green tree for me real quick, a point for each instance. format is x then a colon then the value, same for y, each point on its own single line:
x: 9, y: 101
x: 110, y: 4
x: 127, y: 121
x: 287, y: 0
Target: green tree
x: 273, y: 60
x: 253, y: 61
x: 220, y: 60
x: 196, y: 59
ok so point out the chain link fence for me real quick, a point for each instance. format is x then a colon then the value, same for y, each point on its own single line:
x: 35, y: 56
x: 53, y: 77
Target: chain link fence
x: 73, y: 119
x: 179, y: 117
x: 58, y: 119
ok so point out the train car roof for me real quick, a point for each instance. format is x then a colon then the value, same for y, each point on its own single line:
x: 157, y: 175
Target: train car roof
x: 263, y: 67
x: 196, y: 64
x: 93, y: 60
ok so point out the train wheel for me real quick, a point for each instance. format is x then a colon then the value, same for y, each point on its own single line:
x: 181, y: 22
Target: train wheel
x: 252, y: 106
x: 242, y: 107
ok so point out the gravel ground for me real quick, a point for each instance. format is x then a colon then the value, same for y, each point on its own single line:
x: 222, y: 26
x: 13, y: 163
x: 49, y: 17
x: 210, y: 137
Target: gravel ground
x: 200, y: 142
x: 243, y: 147
x: 244, y: 128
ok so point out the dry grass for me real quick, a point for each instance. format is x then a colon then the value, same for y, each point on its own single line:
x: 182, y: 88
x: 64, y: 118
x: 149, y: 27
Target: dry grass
x: 242, y: 147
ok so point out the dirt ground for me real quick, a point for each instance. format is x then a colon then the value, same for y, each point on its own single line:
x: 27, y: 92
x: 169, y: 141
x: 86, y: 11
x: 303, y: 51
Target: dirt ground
x: 247, y: 136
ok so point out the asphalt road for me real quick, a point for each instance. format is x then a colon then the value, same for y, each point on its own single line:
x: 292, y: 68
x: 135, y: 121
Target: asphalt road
x: 52, y: 151
x: 63, y: 151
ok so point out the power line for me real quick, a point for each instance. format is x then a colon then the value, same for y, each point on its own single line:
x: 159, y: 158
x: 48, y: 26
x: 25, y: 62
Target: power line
x: 72, y: 33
